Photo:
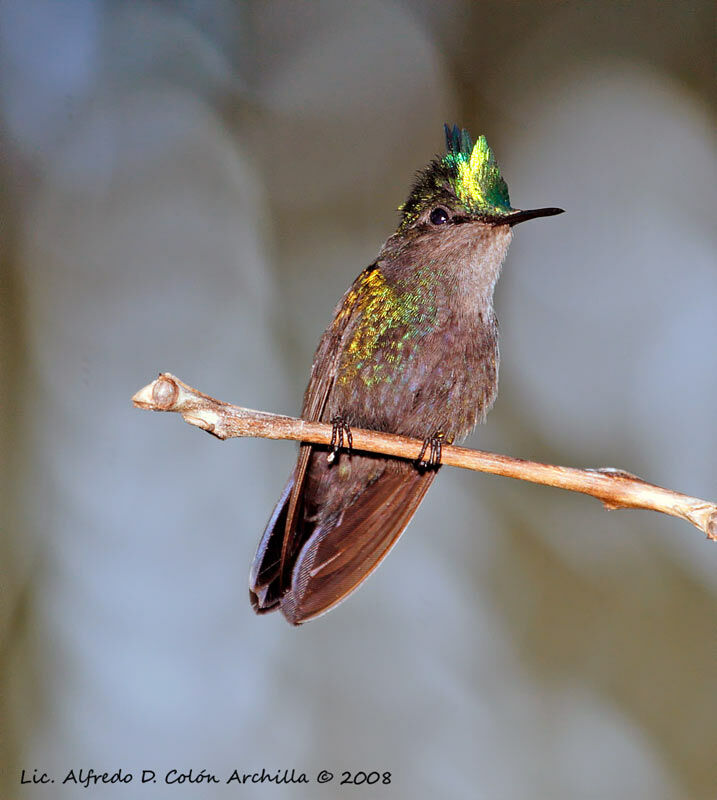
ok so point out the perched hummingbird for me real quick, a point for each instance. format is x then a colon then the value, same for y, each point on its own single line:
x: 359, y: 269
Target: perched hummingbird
x: 412, y: 350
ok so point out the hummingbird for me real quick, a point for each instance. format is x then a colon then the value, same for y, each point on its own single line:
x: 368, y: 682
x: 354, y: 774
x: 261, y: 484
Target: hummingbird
x: 412, y: 349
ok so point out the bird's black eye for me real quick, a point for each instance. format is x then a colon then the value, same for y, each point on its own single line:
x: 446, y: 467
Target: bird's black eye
x: 438, y: 216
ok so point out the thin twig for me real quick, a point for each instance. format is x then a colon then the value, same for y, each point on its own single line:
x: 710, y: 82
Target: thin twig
x: 614, y: 487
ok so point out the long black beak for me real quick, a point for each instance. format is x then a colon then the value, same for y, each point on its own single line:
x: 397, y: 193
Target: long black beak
x: 533, y: 213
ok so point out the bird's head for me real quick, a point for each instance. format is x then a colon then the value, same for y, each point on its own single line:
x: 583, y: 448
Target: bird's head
x: 463, y: 186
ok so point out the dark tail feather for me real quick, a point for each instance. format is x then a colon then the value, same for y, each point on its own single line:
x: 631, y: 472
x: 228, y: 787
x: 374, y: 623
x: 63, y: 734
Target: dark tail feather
x: 264, y: 577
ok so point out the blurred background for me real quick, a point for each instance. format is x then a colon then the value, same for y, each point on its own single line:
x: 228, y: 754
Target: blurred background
x: 190, y: 186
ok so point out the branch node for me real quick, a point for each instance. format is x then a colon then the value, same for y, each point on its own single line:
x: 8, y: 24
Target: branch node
x: 612, y: 505
x: 165, y: 392
x: 204, y: 418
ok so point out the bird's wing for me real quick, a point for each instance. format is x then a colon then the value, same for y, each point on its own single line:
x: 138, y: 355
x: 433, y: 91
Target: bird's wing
x: 270, y: 568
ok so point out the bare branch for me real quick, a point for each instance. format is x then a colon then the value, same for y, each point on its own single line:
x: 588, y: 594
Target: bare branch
x: 614, y: 487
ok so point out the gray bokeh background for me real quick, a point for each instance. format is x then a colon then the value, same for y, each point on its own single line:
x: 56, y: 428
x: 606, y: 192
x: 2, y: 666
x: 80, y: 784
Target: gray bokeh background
x: 190, y: 187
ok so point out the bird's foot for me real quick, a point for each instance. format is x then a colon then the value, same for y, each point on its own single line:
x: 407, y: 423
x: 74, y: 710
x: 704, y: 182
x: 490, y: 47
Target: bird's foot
x: 338, y: 429
x: 433, y: 445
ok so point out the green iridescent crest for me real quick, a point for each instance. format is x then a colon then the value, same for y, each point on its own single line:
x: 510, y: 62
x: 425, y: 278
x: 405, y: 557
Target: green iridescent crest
x: 468, y: 172
x: 474, y: 173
